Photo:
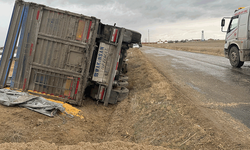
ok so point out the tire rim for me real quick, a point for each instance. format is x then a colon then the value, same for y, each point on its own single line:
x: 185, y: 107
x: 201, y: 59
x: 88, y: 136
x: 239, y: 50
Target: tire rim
x: 234, y: 57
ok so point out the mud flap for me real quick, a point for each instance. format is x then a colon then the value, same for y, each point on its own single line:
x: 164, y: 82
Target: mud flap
x: 118, y: 94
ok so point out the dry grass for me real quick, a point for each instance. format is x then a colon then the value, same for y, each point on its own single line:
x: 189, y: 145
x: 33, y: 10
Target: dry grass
x: 206, y: 47
x: 15, y: 137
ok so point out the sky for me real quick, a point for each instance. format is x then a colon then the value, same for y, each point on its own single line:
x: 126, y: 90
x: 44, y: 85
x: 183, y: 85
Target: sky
x: 154, y: 19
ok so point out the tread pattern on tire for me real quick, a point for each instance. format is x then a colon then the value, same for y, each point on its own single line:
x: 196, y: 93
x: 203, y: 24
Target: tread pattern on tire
x: 239, y: 63
x: 132, y: 37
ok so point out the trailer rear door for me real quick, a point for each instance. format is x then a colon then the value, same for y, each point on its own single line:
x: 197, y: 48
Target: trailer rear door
x: 54, y: 52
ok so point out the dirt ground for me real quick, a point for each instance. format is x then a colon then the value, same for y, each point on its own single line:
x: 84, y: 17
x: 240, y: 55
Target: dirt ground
x: 205, y: 47
x: 156, y: 115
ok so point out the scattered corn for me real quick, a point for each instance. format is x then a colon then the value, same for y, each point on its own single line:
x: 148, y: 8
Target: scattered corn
x: 69, y: 109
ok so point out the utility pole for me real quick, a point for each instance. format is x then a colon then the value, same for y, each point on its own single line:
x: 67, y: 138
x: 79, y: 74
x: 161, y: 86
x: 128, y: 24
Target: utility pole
x: 148, y: 36
x: 202, y: 36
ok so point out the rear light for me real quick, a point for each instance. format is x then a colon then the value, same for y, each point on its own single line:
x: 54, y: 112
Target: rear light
x: 114, y: 35
x: 102, y: 93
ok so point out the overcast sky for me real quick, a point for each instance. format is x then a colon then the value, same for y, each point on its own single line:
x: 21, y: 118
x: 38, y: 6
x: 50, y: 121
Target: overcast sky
x: 164, y: 19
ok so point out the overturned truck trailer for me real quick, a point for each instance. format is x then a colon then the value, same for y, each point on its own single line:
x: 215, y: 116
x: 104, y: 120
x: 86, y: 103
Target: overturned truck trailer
x: 65, y: 55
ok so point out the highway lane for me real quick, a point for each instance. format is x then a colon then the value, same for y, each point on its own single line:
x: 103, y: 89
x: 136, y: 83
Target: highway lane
x: 211, y: 79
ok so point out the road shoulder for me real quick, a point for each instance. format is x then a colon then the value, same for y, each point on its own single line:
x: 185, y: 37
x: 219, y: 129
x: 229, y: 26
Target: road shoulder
x: 183, y: 123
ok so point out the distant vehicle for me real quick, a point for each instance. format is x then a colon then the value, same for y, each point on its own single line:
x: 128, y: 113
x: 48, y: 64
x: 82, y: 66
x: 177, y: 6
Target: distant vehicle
x: 237, y: 41
x: 136, y: 46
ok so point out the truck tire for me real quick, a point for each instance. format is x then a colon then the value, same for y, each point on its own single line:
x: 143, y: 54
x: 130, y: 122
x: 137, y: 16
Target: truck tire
x: 136, y: 37
x: 124, y: 68
x: 131, y: 36
x: 234, y: 57
x: 123, y: 83
x: 118, y: 94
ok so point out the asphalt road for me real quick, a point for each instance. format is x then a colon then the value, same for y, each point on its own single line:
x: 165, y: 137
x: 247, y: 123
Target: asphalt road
x: 215, y: 82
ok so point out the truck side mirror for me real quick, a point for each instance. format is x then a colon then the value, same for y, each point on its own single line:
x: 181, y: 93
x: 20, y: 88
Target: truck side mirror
x: 223, y: 22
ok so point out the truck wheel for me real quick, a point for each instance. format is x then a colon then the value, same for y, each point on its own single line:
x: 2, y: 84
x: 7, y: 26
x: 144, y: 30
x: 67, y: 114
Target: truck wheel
x: 118, y: 94
x: 131, y: 36
x: 234, y: 57
x: 136, y: 37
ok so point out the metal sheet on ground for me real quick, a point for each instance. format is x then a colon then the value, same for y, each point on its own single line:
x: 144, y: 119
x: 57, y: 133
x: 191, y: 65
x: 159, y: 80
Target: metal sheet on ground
x: 35, y: 103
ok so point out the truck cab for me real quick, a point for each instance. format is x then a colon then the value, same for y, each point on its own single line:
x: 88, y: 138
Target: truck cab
x: 237, y: 40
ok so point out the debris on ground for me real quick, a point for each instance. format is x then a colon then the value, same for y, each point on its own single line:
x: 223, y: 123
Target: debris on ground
x: 39, y: 104
x: 35, y: 103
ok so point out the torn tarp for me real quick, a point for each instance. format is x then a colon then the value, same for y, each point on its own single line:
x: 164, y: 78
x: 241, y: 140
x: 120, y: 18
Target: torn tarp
x: 35, y: 103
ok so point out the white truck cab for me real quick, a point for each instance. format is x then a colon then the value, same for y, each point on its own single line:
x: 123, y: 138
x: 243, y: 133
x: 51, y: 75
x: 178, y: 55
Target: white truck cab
x: 237, y: 41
